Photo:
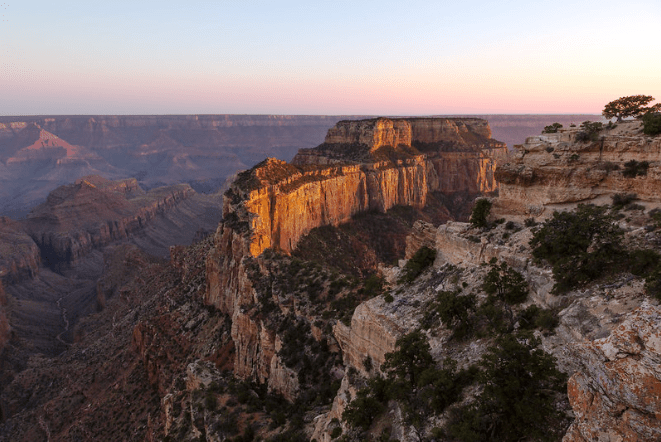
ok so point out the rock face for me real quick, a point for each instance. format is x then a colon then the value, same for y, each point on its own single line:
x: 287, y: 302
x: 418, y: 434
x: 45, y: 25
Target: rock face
x: 364, y: 165
x: 553, y: 170
x: 37, y: 154
x: 19, y: 255
x: 616, y: 394
x: 359, y: 169
x: 94, y: 212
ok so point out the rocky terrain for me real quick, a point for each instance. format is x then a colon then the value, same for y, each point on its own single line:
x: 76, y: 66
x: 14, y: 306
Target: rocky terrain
x: 40, y: 153
x: 299, y: 328
x: 51, y: 262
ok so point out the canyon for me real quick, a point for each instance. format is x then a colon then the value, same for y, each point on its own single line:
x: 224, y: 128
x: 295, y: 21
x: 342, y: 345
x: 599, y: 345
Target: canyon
x: 274, y: 324
x: 40, y: 153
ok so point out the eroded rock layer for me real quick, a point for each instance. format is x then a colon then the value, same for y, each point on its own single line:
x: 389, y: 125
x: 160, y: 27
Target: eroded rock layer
x: 364, y: 165
x: 553, y: 170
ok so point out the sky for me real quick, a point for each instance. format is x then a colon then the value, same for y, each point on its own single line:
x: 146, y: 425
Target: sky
x: 325, y: 57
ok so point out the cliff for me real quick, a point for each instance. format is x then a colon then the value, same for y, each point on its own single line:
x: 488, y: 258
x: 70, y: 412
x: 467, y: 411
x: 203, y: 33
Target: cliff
x: 367, y: 165
x: 364, y: 165
x: 92, y: 213
x: 552, y: 170
x: 19, y: 255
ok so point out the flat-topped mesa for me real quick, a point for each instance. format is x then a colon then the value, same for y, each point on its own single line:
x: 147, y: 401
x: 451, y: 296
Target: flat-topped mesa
x: 277, y: 203
x: 364, y: 165
x: 555, y: 171
x: 362, y: 140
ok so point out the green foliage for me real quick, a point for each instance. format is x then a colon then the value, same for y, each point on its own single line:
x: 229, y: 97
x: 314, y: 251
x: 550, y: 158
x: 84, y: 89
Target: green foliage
x: 367, y: 363
x: 521, y: 384
x: 362, y: 411
x: 652, y: 123
x: 534, y: 317
x: 634, y: 168
x: 373, y: 286
x: 388, y: 298
x: 653, y: 284
x: 412, y: 357
x: 623, y: 199
x: 553, y: 128
x: 422, y: 259
x: 643, y: 262
x: 337, y: 432
x: 631, y: 106
x: 506, y: 284
x: 530, y: 222
x: 580, y: 245
x: 453, y: 310
x: 480, y: 213
x: 589, y: 131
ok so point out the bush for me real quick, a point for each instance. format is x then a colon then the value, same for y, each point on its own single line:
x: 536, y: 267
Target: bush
x: 652, y: 124
x: 553, y: 128
x: 454, y: 311
x: 480, y: 213
x: 589, y: 131
x: 506, y: 283
x: 422, y: 259
x: 580, y: 245
x: 634, y: 168
x: 521, y: 383
x: 622, y: 199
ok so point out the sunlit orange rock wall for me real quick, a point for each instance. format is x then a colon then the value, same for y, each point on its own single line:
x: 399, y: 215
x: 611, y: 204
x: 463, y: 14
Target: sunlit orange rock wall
x: 281, y: 215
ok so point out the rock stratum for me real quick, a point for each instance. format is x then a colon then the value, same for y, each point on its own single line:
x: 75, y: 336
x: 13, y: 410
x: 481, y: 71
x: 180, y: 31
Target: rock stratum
x: 358, y: 169
x: 363, y: 165
x: 550, y: 171
x: 259, y: 330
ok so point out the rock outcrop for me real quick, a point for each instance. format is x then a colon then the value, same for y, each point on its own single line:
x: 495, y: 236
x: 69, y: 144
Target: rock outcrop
x: 616, y: 394
x: 359, y: 169
x: 93, y: 212
x: 19, y: 255
x: 364, y: 165
x: 550, y: 171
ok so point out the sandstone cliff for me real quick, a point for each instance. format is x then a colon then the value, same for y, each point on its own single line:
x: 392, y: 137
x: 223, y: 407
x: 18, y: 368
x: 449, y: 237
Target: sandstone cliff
x: 364, y: 165
x: 19, y: 255
x: 552, y: 170
x: 93, y: 212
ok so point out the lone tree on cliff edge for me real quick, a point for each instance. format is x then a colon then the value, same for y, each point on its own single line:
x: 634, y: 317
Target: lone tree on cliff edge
x: 631, y: 106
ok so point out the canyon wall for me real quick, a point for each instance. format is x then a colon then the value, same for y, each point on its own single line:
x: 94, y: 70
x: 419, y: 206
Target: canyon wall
x: 363, y: 165
x: 19, y: 255
x: 347, y: 175
x: 552, y: 171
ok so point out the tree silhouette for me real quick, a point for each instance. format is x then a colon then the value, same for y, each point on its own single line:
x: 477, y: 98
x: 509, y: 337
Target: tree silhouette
x: 631, y: 106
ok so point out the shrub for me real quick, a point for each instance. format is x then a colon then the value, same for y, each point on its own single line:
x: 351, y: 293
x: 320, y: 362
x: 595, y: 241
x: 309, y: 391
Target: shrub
x: 589, y: 131
x: 506, y: 283
x: 634, y: 168
x: 622, y: 199
x: 362, y: 411
x: 454, y: 310
x: 480, y: 213
x: 642, y: 262
x: 422, y: 259
x: 580, y: 245
x: 553, y: 128
x: 521, y: 383
x: 411, y: 358
x: 652, y: 124
x: 367, y: 363
x: 529, y: 222
x: 535, y: 317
